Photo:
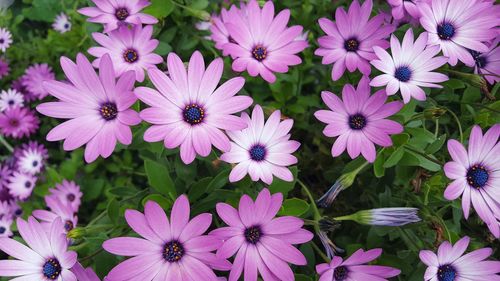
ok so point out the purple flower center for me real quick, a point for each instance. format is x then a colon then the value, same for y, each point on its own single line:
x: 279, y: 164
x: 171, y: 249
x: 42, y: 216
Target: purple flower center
x: 35, y: 163
x: 258, y: 152
x: 27, y: 184
x: 259, y: 52
x: 2, y: 41
x: 351, y: 45
x: 403, y: 73
x: 130, y: 56
x: 340, y: 273
x: 480, y: 60
x: 11, y: 102
x: 68, y: 225
x: 445, y: 30
x: 173, y: 251
x: 446, y: 273
x: 477, y: 176
x: 71, y: 197
x: 66, y: 26
x: 357, y: 121
x: 52, y: 269
x: 109, y: 111
x: 193, y: 114
x: 121, y: 14
x: 253, y: 234
x: 2, y: 230
x: 18, y: 212
x: 14, y: 122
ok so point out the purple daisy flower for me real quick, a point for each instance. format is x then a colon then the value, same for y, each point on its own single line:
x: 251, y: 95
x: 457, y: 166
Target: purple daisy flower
x: 262, y: 243
x: 170, y: 250
x: 458, y: 25
x: 129, y: 49
x: 84, y: 274
x: 21, y: 185
x: 46, y: 257
x: 263, y: 149
x: 31, y: 157
x: 10, y: 98
x: 98, y: 107
x: 58, y: 209
x: 67, y: 192
x: 5, y: 223
x: 409, y: 67
x: 5, y: 172
x: 358, y: 120
x: 4, y: 68
x: 113, y: 14
x: 263, y: 44
x: 219, y: 33
x: 354, y: 268
x: 34, y: 78
x: 349, y: 41
x: 18, y: 85
x: 18, y: 122
x: 476, y: 175
x: 450, y: 263
x: 5, y: 39
x: 188, y: 111
x: 401, y: 8
x: 61, y: 23
x: 488, y: 63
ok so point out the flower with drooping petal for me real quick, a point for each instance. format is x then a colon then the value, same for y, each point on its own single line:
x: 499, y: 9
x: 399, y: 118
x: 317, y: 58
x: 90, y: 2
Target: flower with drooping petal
x: 262, y: 243
x: 35, y: 76
x: 488, y: 63
x: 349, y: 41
x: 5, y: 39
x: 263, y: 149
x: 57, y: 209
x: 4, y: 68
x: 458, y: 25
x: 18, y: 122
x: 5, y: 223
x: 358, y: 120
x: 354, y: 268
x: 62, y: 23
x: 188, y: 110
x: 31, y: 157
x: 219, y: 33
x: 400, y: 8
x: 409, y: 68
x: 476, y: 175
x: 45, y: 258
x: 113, y: 14
x: 263, y: 44
x: 10, y: 98
x: 174, y: 249
x: 21, y: 185
x: 450, y: 263
x: 129, y: 49
x: 84, y: 274
x: 68, y: 192
x: 98, y: 107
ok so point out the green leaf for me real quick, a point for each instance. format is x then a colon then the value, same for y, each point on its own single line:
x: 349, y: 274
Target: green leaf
x: 199, y: 188
x: 219, y: 181
x: 294, y: 207
x: 436, y: 145
x: 159, y: 178
x: 378, y: 166
x: 394, y: 158
x: 282, y: 186
x: 160, y: 8
x: 113, y: 210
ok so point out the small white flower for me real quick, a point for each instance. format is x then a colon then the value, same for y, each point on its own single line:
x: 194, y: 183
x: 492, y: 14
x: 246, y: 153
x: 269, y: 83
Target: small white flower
x: 62, y: 23
x: 31, y: 162
x: 5, y: 39
x: 10, y: 98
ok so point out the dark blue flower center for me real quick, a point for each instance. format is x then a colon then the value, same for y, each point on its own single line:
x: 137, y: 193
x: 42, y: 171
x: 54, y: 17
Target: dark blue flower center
x: 193, y: 114
x: 71, y: 197
x: 18, y: 212
x: 2, y: 41
x: 258, y: 152
x: 68, y: 225
x: 357, y: 121
x: 2, y: 230
x: 173, y: 251
x: 121, y: 14
x: 445, y: 30
x: 130, y: 56
x: 446, y: 273
x: 66, y: 26
x: 351, y: 45
x: 52, y: 269
x: 27, y: 184
x: 477, y: 176
x: 480, y: 60
x: 109, y: 111
x: 403, y: 73
x: 35, y: 163
x: 253, y: 234
x: 340, y: 273
x: 259, y: 52
x: 11, y: 102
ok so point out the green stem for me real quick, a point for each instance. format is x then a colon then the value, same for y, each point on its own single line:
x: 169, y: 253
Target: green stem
x: 103, y: 213
x: 458, y: 123
x: 320, y: 252
x: 423, y: 155
x: 317, y: 215
x: 436, y: 131
x: 6, y: 144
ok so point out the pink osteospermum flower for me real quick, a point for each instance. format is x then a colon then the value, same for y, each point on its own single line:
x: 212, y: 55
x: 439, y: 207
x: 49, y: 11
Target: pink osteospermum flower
x: 400, y: 8
x: 409, y: 68
x: 262, y: 243
x: 46, y: 257
x: 219, y: 33
x: 188, y: 110
x: 10, y: 98
x: 19, y: 86
x: 488, y: 63
x: 129, y: 49
x: 18, y: 122
x: 57, y: 209
x: 5, y: 224
x: 263, y: 44
x: 21, y: 185
x: 263, y: 149
x: 349, y: 41
x: 84, y: 274
x: 171, y: 250
x: 113, y: 14
x: 358, y: 120
x: 69, y: 193
x: 34, y: 78
x: 4, y: 68
x: 98, y: 107
x: 458, y: 25
x: 450, y: 263
x: 354, y: 268
x: 5, y: 39
x: 476, y: 175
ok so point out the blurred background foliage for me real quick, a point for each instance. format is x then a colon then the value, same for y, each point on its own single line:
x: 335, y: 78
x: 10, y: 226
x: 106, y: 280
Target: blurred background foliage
x: 407, y: 174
